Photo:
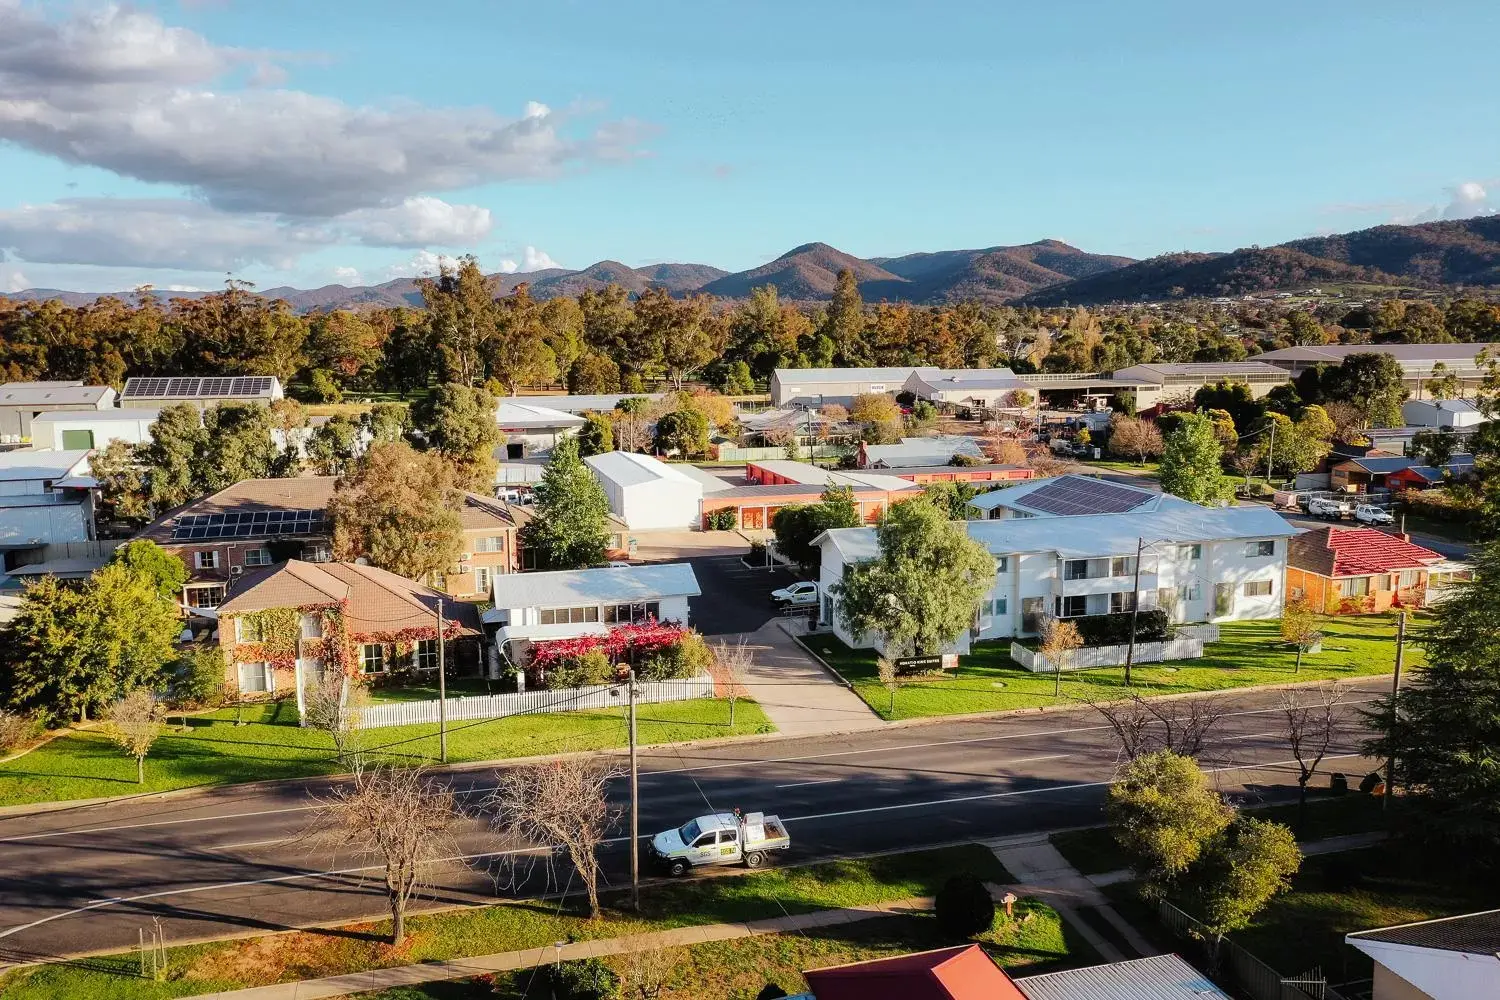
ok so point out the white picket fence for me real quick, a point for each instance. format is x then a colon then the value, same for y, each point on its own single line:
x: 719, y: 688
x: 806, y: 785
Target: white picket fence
x: 498, y: 706
x: 1181, y: 648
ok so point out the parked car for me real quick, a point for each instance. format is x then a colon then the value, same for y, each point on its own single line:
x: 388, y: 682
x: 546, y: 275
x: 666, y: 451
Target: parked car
x: 803, y: 594
x: 1328, y: 508
x: 1368, y: 513
x: 719, y: 839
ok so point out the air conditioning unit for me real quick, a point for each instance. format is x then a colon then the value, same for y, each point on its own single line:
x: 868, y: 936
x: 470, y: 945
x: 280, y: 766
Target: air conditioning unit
x: 465, y: 556
x: 465, y: 566
x: 236, y: 570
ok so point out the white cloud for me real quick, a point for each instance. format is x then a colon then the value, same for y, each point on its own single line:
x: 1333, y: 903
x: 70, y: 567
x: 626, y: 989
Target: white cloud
x: 1466, y: 200
x: 118, y: 89
x: 12, y: 280
x: 532, y: 259
x: 422, y: 264
x: 346, y: 275
x: 419, y: 222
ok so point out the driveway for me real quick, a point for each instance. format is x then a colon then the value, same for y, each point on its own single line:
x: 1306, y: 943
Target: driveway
x: 736, y: 599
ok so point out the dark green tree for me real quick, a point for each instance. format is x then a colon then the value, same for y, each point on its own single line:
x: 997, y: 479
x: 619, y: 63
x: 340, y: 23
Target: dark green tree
x: 164, y: 569
x: 597, y: 436
x: 1372, y: 382
x: 331, y: 447
x: 1192, y: 463
x: 684, y: 432
x: 459, y: 423
x: 844, y: 322
x: 173, y: 456
x: 1446, y: 736
x: 797, y: 525
x: 237, y: 445
x: 387, y: 422
x: 569, y: 527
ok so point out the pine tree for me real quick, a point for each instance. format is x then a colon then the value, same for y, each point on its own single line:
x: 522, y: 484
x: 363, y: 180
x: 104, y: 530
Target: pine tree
x: 569, y: 526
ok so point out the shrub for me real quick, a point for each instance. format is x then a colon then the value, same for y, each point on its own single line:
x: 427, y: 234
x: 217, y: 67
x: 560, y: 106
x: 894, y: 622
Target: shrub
x: 585, y: 979
x: 964, y: 907
x: 688, y: 657
x: 757, y: 553
x: 593, y: 667
x: 321, y: 387
x: 1152, y: 625
x: 723, y: 520
x: 198, y: 678
x: 1338, y: 783
x: 770, y: 992
x: 17, y: 730
x: 1340, y: 873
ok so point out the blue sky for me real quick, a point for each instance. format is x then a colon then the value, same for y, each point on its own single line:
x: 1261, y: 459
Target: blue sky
x: 306, y: 143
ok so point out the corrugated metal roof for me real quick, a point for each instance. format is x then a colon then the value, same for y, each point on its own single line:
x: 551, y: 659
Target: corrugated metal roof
x: 1161, y: 977
x: 28, y: 464
x: 923, y: 450
x: 803, y: 376
x: 630, y: 469
x: 52, y: 393
x: 1335, y: 353
x: 1471, y: 933
x: 513, y: 413
x: 603, y: 402
x: 609, y: 584
x: 812, y: 475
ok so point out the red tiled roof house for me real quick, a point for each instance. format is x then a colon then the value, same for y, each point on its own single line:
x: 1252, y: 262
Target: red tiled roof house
x: 963, y: 972
x: 1358, y: 570
x: 283, y: 625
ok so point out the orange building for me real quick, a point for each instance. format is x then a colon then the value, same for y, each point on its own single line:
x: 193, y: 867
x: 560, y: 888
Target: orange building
x: 1352, y: 571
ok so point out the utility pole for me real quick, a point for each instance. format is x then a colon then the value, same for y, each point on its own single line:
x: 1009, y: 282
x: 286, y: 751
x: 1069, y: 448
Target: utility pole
x: 1135, y: 608
x: 442, y: 689
x: 635, y: 809
x: 1270, y: 452
x: 1390, y: 764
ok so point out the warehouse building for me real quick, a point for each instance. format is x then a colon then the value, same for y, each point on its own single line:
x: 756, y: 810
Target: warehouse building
x: 1417, y: 361
x: 816, y: 386
x: 23, y: 402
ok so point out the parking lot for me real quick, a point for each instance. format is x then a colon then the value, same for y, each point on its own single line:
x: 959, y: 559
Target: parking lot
x: 736, y: 599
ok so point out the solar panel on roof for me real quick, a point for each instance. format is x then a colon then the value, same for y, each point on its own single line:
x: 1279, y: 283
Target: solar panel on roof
x: 1084, y: 496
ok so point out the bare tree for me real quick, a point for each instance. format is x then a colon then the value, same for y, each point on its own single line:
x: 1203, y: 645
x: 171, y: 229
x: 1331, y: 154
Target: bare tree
x: 134, y: 724
x: 729, y: 669
x: 644, y: 974
x: 393, y: 818
x: 1059, y: 638
x: 559, y: 804
x: 890, y: 678
x: 335, y: 704
x: 1311, y: 719
x: 1146, y: 725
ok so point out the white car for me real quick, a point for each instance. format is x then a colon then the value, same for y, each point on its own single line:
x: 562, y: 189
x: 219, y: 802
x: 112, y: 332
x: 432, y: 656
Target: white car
x: 1368, y: 513
x: 1333, y: 510
x: 804, y: 594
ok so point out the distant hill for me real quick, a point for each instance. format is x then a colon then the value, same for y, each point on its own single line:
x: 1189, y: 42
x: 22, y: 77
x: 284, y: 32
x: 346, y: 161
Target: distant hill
x: 805, y: 272
x: 1048, y: 272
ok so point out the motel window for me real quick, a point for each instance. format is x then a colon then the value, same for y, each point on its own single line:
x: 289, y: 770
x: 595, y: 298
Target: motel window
x: 312, y: 627
x: 1123, y: 600
x: 204, y: 597
x: 1258, y: 588
x: 1073, y: 606
x: 490, y: 543
x: 482, y: 580
x: 624, y: 614
x: 256, y: 678
x: 258, y: 557
x: 569, y: 616
x: 1254, y: 550
x: 206, y: 560
x: 1122, y: 566
x: 424, y: 654
x: 372, y: 658
x: 1190, y: 591
x: 1002, y: 564
x: 1193, y: 552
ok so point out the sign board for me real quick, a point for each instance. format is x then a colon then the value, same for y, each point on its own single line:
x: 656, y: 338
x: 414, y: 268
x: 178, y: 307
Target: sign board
x: 926, y: 664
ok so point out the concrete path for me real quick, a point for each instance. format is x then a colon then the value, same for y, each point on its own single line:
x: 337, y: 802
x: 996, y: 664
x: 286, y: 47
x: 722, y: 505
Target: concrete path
x: 801, y: 697
x: 1044, y: 873
x: 508, y: 961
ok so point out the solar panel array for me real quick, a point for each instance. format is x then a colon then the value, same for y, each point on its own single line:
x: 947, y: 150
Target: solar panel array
x: 1076, y: 495
x: 244, y: 387
x: 250, y: 524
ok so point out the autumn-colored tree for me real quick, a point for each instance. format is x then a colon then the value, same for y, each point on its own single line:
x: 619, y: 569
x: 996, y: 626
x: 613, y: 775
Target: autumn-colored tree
x: 878, y: 416
x: 516, y: 352
x: 1131, y: 437
x: 398, y: 508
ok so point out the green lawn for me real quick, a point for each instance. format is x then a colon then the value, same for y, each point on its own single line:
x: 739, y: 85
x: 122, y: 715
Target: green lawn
x: 1094, y: 851
x: 215, y: 751
x: 1331, y: 896
x: 1150, y: 469
x: 1248, y: 653
x: 507, y: 926
x: 1034, y: 941
x: 415, y: 691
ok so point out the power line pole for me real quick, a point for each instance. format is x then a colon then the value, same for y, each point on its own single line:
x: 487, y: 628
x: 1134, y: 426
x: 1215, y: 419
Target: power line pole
x: 1390, y: 764
x: 635, y: 809
x: 1271, y: 452
x: 442, y: 689
x: 1135, y: 608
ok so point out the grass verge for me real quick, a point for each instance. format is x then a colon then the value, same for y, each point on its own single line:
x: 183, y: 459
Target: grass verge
x: 270, y: 745
x: 207, y: 968
x: 1247, y: 654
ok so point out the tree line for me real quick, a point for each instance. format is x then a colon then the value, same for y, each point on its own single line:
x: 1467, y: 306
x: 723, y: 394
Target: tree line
x: 607, y: 341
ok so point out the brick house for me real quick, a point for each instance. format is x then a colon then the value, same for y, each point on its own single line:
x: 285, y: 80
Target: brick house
x: 1359, y: 570
x: 282, y: 625
x: 258, y: 522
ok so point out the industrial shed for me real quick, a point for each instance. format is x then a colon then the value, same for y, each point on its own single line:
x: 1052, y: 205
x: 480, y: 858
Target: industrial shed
x: 646, y: 493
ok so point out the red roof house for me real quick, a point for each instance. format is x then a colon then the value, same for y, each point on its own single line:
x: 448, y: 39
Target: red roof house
x: 964, y: 972
x: 1358, y: 570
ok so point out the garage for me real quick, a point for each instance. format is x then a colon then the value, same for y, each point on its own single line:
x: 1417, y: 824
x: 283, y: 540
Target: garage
x: 646, y: 493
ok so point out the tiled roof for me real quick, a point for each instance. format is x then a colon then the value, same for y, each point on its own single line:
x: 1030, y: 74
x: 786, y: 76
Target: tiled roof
x: 301, y: 493
x: 378, y: 601
x: 1473, y: 933
x: 1335, y: 552
x: 963, y: 972
x: 482, y: 513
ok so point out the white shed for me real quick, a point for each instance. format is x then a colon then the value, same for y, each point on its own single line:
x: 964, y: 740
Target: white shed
x: 647, y: 493
x: 69, y: 430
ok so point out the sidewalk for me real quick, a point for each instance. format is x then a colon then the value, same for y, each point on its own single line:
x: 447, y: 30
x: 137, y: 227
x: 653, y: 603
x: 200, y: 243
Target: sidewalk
x: 1044, y: 873
x: 463, y: 968
x: 801, y: 697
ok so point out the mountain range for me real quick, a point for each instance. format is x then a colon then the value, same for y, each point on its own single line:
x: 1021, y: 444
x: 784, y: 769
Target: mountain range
x: 1046, y: 273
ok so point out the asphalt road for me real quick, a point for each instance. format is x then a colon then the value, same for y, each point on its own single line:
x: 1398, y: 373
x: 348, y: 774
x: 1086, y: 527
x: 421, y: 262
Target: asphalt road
x: 87, y: 879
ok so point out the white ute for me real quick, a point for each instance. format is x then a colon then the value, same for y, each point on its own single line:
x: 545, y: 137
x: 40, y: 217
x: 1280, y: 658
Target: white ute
x: 1332, y: 510
x: 798, y: 595
x: 1368, y: 513
x: 719, y: 839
